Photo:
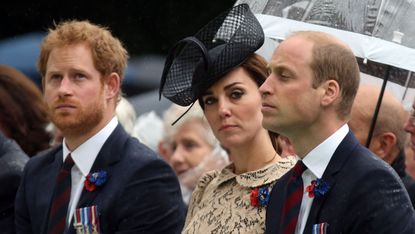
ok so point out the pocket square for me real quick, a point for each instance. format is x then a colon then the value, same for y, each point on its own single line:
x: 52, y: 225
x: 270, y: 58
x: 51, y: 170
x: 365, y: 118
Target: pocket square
x: 86, y: 220
x: 320, y: 228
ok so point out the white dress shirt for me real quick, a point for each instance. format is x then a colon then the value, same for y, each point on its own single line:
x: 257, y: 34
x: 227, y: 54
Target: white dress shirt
x: 316, y: 161
x: 84, y: 157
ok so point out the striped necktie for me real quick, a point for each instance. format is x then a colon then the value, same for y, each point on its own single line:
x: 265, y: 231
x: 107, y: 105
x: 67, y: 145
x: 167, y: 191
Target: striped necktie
x: 294, y: 196
x: 61, y: 197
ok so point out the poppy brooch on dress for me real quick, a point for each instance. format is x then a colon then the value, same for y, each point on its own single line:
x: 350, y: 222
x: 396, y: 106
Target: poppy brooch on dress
x: 96, y: 179
x: 317, y: 188
x: 260, y: 196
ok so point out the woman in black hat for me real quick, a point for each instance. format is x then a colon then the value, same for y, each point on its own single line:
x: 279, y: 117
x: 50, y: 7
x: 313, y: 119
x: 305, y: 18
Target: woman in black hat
x: 219, y: 68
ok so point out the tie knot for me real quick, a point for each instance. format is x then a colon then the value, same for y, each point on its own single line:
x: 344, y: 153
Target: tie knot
x: 299, y: 168
x: 68, y: 163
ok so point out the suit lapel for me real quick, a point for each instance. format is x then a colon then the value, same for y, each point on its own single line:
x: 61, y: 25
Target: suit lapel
x: 47, y: 182
x: 109, y: 155
x: 340, y: 156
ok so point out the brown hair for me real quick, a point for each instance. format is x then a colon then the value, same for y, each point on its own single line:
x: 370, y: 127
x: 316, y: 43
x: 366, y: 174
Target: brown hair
x: 23, y: 113
x: 333, y: 60
x: 108, y: 53
x: 257, y: 68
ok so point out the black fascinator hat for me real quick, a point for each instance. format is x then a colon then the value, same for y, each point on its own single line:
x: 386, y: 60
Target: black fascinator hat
x: 197, y: 62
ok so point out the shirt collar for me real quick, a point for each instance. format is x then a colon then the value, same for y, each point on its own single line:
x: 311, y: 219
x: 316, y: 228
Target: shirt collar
x: 318, y: 158
x: 84, y: 155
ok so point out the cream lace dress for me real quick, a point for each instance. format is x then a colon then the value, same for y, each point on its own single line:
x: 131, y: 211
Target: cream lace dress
x: 221, y: 202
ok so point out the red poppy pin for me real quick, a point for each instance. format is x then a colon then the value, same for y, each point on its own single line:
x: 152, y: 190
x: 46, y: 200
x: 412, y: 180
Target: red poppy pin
x: 317, y: 188
x: 96, y: 179
x: 260, y: 196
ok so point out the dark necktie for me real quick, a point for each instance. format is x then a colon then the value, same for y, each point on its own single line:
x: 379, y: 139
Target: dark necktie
x: 61, y: 197
x: 294, y: 196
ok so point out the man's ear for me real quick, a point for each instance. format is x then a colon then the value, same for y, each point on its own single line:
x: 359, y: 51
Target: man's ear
x: 331, y: 92
x: 112, y: 83
x: 383, y: 144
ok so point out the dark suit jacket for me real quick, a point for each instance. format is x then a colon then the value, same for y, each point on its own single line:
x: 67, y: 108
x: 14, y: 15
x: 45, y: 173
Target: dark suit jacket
x: 365, y: 196
x: 12, y: 162
x: 141, y: 195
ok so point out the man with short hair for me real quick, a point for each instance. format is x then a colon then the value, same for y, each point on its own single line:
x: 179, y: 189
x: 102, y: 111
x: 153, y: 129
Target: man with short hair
x: 389, y: 137
x: 338, y: 186
x: 99, y: 180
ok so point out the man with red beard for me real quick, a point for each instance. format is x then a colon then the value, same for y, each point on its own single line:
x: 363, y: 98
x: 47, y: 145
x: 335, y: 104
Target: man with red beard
x: 99, y: 179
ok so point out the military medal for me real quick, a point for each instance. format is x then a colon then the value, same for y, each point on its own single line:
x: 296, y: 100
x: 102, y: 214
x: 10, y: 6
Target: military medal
x: 86, y: 220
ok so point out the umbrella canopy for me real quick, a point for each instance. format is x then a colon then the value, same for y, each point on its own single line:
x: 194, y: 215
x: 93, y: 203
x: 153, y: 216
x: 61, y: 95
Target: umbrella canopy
x: 379, y: 32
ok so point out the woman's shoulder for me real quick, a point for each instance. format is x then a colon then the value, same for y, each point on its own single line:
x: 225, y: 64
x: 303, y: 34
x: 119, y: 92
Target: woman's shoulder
x: 203, y: 183
x: 198, y: 193
x: 287, y: 162
x: 210, y: 181
x: 267, y: 175
x: 283, y: 165
x: 290, y: 159
x: 206, y: 178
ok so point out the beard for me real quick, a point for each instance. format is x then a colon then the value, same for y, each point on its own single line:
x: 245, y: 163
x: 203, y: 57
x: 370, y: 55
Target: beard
x: 80, y: 122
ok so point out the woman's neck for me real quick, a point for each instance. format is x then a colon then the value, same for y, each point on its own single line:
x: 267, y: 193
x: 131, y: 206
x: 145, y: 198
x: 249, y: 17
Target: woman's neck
x: 255, y: 155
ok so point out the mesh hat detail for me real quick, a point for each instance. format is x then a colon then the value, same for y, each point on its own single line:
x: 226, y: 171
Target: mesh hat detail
x: 195, y: 63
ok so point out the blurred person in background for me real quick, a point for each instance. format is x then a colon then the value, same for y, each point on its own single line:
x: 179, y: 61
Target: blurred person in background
x: 195, y: 150
x: 164, y: 147
x: 126, y: 115
x: 148, y: 128
x: 12, y: 161
x: 389, y: 137
x: 23, y: 114
x: 410, y: 147
x: 409, y: 159
x: 219, y: 68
